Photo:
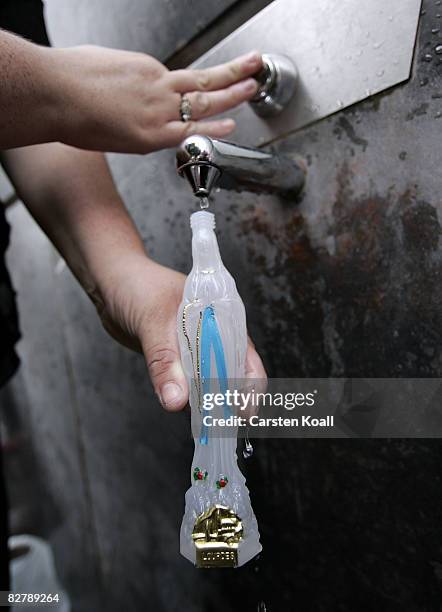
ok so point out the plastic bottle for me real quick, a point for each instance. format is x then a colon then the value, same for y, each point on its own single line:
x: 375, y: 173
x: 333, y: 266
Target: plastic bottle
x: 212, y: 335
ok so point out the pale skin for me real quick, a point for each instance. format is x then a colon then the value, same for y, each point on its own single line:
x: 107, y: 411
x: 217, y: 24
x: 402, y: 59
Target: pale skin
x: 58, y: 109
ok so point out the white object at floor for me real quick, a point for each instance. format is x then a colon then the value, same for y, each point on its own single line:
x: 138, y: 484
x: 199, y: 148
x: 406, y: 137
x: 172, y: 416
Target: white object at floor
x: 33, y: 571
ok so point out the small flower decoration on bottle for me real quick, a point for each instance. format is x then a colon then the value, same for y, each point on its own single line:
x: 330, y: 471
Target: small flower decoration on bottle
x: 221, y: 483
x: 199, y: 474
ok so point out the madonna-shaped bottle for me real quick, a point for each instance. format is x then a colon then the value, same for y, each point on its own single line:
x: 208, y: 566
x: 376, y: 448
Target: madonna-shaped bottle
x: 219, y: 528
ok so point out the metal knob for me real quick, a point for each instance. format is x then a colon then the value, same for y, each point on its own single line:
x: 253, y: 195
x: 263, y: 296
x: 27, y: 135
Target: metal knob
x: 277, y: 84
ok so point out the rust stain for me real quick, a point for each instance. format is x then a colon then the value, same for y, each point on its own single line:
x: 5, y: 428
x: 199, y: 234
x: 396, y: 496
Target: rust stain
x: 337, y: 309
x: 343, y: 125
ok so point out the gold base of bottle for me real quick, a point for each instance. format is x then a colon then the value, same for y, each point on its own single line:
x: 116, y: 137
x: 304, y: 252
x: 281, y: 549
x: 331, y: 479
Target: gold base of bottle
x: 217, y: 533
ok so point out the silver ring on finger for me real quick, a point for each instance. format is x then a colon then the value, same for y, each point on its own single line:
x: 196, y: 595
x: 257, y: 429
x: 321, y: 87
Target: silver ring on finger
x: 185, y: 108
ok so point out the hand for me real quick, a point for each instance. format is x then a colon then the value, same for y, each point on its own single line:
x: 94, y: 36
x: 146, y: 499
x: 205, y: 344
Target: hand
x: 140, y: 312
x: 121, y: 101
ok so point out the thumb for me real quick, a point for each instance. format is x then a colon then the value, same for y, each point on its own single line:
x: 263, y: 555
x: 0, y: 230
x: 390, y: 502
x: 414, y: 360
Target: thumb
x: 165, y: 370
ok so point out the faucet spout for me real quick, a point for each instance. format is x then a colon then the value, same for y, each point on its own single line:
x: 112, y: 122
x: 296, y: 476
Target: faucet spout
x: 207, y: 163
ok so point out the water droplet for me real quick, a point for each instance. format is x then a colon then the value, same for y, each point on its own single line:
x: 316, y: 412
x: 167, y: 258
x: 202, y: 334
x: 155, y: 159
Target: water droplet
x: 377, y: 45
x: 391, y: 18
x: 427, y: 57
x: 437, y: 2
x: 438, y: 49
x: 339, y: 103
x: 423, y: 82
x: 423, y: 11
x: 204, y: 203
x: 248, y: 448
x: 368, y: 92
x: 438, y: 16
x: 380, y: 73
x: 435, y: 30
x: 247, y: 451
x: 438, y: 115
x: 359, y: 53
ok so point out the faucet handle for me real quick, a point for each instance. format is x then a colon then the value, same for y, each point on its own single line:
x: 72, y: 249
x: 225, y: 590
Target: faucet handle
x: 277, y: 84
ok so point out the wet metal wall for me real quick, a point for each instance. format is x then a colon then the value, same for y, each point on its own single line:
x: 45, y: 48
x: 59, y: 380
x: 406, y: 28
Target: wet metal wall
x: 347, y: 282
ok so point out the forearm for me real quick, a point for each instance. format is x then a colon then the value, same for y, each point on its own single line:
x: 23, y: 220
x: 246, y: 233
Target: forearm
x: 28, y: 108
x: 107, y: 100
x: 72, y: 196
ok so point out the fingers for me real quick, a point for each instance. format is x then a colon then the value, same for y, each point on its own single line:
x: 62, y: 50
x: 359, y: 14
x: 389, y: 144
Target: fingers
x: 255, y: 374
x: 211, y: 91
x: 218, y: 77
x: 175, y: 131
x: 206, y: 104
x: 254, y: 366
x: 167, y: 376
x: 255, y: 381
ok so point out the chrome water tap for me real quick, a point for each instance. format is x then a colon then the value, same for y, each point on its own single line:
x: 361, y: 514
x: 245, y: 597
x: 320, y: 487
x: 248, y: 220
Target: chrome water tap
x: 206, y: 163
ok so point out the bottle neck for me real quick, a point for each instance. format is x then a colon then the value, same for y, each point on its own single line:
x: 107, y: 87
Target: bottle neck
x: 205, y: 250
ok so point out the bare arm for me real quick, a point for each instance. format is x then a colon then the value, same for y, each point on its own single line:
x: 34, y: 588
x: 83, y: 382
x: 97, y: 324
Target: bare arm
x: 25, y: 94
x: 110, y: 100
x: 72, y: 196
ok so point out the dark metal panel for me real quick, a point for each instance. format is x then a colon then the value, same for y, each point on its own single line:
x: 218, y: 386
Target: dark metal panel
x: 354, y: 270
x: 344, y: 283
x: 349, y: 284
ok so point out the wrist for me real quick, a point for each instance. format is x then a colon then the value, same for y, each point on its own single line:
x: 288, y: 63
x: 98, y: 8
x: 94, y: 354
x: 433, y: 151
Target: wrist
x: 57, y: 91
x: 118, y: 277
x: 76, y: 88
x: 122, y: 292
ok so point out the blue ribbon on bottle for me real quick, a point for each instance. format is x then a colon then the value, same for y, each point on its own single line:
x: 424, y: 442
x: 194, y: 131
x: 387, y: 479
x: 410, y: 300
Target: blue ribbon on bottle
x: 211, y: 339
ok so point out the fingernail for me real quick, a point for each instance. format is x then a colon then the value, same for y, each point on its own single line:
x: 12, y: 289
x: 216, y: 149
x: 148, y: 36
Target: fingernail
x: 171, y: 394
x: 248, y: 86
x: 253, y: 58
x: 228, y: 123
